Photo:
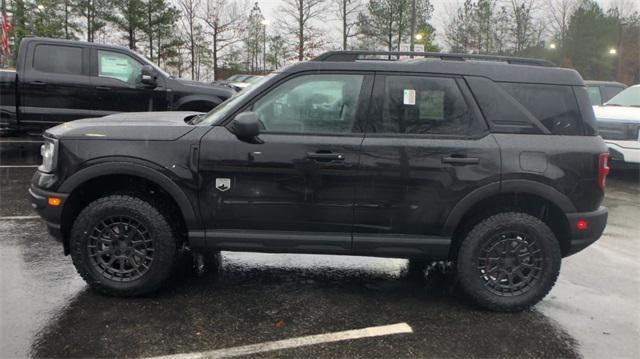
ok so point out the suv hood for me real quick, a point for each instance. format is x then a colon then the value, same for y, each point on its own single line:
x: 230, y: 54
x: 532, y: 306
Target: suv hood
x: 617, y: 113
x: 142, y: 126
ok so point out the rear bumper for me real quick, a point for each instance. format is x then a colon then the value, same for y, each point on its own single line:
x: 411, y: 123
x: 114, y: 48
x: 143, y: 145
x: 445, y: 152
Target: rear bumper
x: 596, y: 222
x: 52, y: 215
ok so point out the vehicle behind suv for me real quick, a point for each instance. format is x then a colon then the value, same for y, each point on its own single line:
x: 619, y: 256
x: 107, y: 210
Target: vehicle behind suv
x: 62, y: 80
x: 491, y: 163
x: 619, y: 125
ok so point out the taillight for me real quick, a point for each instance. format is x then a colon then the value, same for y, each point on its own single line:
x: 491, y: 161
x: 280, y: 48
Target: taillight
x: 603, y: 169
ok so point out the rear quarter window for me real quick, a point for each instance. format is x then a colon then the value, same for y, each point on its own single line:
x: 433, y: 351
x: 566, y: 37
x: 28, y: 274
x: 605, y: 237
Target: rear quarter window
x: 555, y: 106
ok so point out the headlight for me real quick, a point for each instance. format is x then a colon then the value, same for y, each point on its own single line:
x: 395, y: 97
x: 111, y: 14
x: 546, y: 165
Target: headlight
x: 49, y: 152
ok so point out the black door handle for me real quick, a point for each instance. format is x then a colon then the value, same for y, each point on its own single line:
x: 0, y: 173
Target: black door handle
x: 461, y: 160
x: 325, y: 156
x: 38, y: 83
x: 103, y: 88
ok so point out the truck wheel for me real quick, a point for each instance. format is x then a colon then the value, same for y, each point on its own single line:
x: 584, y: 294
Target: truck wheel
x: 508, y: 262
x: 123, y: 246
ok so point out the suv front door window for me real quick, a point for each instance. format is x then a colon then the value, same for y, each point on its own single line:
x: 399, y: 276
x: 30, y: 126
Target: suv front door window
x: 302, y: 177
x: 311, y: 104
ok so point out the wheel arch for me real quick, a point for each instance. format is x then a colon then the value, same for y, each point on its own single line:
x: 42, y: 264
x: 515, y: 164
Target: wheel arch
x: 115, y: 173
x: 535, y: 198
x: 184, y: 102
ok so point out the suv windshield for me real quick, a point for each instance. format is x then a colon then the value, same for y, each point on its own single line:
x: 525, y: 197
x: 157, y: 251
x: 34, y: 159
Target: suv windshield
x: 629, y: 97
x: 220, y: 111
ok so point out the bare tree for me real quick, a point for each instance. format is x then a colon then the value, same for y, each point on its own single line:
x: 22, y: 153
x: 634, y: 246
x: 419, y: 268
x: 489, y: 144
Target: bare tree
x: 559, y: 12
x: 224, y: 19
x: 297, y: 16
x: 190, y: 10
x: 347, y: 11
x: 523, y: 29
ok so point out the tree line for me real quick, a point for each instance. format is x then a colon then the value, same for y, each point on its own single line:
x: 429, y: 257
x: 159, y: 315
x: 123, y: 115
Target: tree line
x: 208, y: 39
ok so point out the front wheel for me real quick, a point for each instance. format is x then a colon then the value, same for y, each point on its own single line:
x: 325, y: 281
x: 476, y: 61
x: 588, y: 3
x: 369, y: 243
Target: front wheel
x: 509, y: 262
x: 123, y: 245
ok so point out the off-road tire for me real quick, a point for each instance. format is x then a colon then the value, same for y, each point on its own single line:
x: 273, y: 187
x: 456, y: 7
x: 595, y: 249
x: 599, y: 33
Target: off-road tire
x: 158, y: 224
x: 468, y: 260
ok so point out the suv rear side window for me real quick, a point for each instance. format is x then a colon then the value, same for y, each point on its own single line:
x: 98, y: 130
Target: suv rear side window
x: 58, y: 59
x: 553, y: 105
x: 324, y: 103
x: 424, y: 105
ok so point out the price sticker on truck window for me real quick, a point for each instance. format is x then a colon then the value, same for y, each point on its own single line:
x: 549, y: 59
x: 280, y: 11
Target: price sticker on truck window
x: 409, y: 97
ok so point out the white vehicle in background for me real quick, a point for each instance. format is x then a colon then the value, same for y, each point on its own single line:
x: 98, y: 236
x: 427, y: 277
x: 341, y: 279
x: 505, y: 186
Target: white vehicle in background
x: 619, y: 125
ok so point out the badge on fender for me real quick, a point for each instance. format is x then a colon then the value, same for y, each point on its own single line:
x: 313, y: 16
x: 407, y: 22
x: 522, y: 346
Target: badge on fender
x: 223, y: 184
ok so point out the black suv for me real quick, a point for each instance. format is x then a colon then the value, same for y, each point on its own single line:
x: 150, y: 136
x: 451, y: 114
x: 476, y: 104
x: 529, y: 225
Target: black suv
x: 492, y: 163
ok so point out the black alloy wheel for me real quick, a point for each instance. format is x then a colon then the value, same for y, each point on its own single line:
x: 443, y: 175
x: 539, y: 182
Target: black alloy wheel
x: 508, y: 262
x: 124, y: 245
x: 121, y: 248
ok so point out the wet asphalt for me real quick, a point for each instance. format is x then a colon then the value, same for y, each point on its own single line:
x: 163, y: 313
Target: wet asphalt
x: 46, y: 310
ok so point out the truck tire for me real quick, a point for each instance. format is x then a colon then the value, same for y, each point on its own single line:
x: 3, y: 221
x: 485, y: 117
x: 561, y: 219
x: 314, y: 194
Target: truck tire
x: 508, y: 262
x: 122, y: 245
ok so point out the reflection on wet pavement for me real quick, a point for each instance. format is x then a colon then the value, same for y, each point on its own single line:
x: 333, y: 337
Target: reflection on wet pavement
x: 242, y: 304
x: 48, y: 311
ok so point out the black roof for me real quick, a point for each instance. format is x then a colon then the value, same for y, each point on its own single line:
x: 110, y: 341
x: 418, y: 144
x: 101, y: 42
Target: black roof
x: 496, y: 68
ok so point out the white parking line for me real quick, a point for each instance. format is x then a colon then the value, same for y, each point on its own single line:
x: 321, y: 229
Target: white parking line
x: 18, y: 166
x: 400, y: 328
x: 19, y: 217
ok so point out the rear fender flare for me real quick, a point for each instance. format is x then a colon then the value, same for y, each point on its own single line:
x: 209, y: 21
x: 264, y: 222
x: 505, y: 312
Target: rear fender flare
x: 515, y: 186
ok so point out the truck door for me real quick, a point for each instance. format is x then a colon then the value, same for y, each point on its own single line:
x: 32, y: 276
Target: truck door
x: 116, y: 84
x: 54, y: 85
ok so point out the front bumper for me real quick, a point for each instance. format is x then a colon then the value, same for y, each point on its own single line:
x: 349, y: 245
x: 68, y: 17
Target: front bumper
x: 626, y: 151
x: 596, y: 222
x: 52, y: 215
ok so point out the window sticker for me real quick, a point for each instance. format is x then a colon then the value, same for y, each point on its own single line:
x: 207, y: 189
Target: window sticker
x: 409, y: 97
x: 115, y: 66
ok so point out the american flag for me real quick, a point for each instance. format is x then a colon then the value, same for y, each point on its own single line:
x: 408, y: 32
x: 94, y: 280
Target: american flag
x: 6, y: 29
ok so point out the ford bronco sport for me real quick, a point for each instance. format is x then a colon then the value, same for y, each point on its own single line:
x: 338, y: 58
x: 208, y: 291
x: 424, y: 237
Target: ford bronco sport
x: 492, y: 163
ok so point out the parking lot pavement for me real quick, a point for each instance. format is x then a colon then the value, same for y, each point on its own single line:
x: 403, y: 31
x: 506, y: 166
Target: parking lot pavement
x: 48, y: 311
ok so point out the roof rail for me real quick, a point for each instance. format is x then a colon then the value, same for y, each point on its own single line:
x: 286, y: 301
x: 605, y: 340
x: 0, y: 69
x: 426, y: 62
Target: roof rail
x: 352, y: 56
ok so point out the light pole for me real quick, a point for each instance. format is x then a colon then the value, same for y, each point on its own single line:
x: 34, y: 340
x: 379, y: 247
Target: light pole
x: 264, y: 23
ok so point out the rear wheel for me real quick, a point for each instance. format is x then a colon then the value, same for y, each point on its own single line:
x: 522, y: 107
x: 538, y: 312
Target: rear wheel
x: 123, y: 245
x: 509, y: 262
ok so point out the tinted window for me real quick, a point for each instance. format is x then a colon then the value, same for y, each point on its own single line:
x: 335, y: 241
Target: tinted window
x: 504, y: 113
x: 594, y: 95
x: 58, y: 59
x: 554, y: 106
x: 311, y: 104
x: 610, y: 91
x: 119, y: 66
x: 424, y: 105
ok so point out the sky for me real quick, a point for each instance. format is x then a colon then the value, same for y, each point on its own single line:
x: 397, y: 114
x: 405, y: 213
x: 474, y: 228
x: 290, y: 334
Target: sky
x: 441, y: 11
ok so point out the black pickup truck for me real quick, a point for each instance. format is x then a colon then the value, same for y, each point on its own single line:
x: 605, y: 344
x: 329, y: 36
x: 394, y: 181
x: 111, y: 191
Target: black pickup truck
x: 60, y: 80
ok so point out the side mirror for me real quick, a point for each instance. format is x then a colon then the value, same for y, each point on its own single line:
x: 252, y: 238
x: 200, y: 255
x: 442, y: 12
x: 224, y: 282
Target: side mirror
x: 148, y: 76
x: 246, y: 127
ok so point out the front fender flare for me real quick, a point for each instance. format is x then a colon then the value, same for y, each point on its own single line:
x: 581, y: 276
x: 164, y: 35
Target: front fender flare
x: 132, y: 169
